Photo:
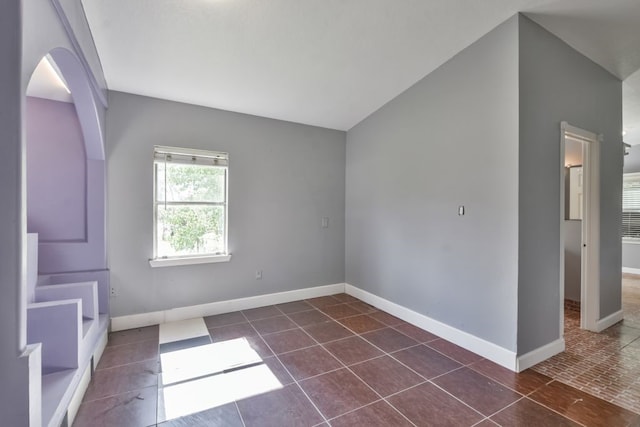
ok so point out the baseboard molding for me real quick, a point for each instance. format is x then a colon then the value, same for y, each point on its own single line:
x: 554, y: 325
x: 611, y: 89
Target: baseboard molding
x: 631, y: 270
x: 608, y: 321
x: 182, y: 313
x: 536, y: 356
x: 486, y: 349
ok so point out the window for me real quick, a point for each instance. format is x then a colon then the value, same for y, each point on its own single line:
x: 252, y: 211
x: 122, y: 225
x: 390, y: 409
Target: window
x: 631, y: 206
x: 189, y: 206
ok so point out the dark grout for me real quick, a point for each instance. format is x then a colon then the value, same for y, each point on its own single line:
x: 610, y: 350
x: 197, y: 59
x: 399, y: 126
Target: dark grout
x: 343, y: 365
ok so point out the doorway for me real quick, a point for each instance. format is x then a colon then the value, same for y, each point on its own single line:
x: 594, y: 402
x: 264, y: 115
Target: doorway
x: 580, y: 201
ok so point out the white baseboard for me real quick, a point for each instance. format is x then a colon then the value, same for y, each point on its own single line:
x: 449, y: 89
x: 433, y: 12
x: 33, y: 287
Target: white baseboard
x: 102, y: 344
x: 631, y: 270
x: 182, y: 313
x: 536, y: 356
x: 486, y: 349
x: 76, y: 400
x: 608, y: 321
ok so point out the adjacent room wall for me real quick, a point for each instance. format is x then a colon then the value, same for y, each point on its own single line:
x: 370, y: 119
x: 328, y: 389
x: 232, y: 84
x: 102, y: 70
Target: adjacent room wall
x: 559, y: 84
x: 56, y: 171
x: 283, y: 178
x: 631, y: 251
x: 572, y: 259
x: 449, y: 140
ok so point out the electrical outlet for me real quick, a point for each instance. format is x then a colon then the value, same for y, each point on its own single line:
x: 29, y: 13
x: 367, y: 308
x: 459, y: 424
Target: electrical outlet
x: 325, y: 222
x: 258, y: 274
x: 114, y: 292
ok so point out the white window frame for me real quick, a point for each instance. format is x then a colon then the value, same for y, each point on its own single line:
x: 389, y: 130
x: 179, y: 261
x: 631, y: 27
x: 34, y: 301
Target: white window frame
x: 198, y: 258
x: 630, y: 177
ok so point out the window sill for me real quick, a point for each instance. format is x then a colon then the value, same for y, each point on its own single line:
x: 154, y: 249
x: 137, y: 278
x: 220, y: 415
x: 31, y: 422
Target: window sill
x: 171, y: 262
x: 631, y: 240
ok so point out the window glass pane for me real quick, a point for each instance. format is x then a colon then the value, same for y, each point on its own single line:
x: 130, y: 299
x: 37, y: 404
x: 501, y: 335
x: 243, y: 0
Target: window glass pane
x: 190, y: 183
x: 190, y: 230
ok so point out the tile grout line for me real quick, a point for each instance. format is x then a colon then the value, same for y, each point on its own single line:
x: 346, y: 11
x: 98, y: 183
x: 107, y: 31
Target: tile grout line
x: 235, y: 402
x: 129, y: 343
x: 344, y: 367
x: 422, y: 376
x: 127, y: 364
x: 292, y: 377
x: 554, y: 411
x: 384, y: 353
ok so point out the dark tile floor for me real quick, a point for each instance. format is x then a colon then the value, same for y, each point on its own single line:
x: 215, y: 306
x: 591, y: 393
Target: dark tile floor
x: 341, y: 362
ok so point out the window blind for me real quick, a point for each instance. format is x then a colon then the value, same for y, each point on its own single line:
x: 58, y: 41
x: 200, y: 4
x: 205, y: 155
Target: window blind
x: 631, y: 206
x: 190, y: 156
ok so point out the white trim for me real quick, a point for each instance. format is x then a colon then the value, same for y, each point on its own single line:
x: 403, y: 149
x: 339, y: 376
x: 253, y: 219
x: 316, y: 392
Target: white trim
x: 590, y: 251
x: 563, y: 195
x: 78, y: 395
x: 539, y: 354
x: 486, y: 349
x: 133, y: 321
x: 182, y: 313
x: 100, y: 347
x: 631, y: 270
x: 608, y: 321
x: 171, y: 262
x: 77, y: 49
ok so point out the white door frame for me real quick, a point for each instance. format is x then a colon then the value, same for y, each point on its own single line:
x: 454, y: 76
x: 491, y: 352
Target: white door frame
x: 590, y: 251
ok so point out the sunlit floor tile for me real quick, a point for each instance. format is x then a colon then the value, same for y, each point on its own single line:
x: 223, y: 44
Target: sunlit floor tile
x: 200, y: 361
x: 198, y: 395
x: 182, y: 330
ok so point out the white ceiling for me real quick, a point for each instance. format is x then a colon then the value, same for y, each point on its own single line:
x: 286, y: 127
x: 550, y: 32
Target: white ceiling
x: 329, y: 63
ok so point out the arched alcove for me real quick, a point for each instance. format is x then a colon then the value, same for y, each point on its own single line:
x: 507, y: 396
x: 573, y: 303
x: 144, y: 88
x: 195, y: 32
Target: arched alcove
x: 65, y: 168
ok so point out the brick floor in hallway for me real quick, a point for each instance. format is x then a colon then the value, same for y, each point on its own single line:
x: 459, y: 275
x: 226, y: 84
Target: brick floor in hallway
x: 606, y: 365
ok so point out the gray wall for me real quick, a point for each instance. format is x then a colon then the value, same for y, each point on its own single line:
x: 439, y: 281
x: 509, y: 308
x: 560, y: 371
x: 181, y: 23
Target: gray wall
x: 631, y: 255
x: 283, y: 179
x: 557, y: 83
x: 451, y: 139
x: 572, y: 259
x: 632, y: 160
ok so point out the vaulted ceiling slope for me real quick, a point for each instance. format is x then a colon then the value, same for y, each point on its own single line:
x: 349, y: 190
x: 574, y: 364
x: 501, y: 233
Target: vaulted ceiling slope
x: 328, y: 63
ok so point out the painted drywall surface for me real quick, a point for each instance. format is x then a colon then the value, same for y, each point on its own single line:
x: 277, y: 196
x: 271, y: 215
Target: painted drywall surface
x: 631, y: 251
x: 283, y: 179
x: 56, y: 171
x: 28, y: 30
x: 559, y: 84
x: 631, y: 255
x: 450, y: 140
x: 64, y: 256
x: 74, y: 12
x: 572, y: 259
x: 14, y: 397
x: 632, y: 160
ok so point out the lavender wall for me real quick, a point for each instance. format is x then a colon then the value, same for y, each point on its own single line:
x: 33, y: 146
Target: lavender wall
x: 56, y: 171
x: 90, y: 253
x: 16, y: 405
x: 28, y: 31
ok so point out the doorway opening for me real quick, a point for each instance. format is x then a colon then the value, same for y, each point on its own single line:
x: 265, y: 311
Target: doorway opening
x: 580, y: 225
